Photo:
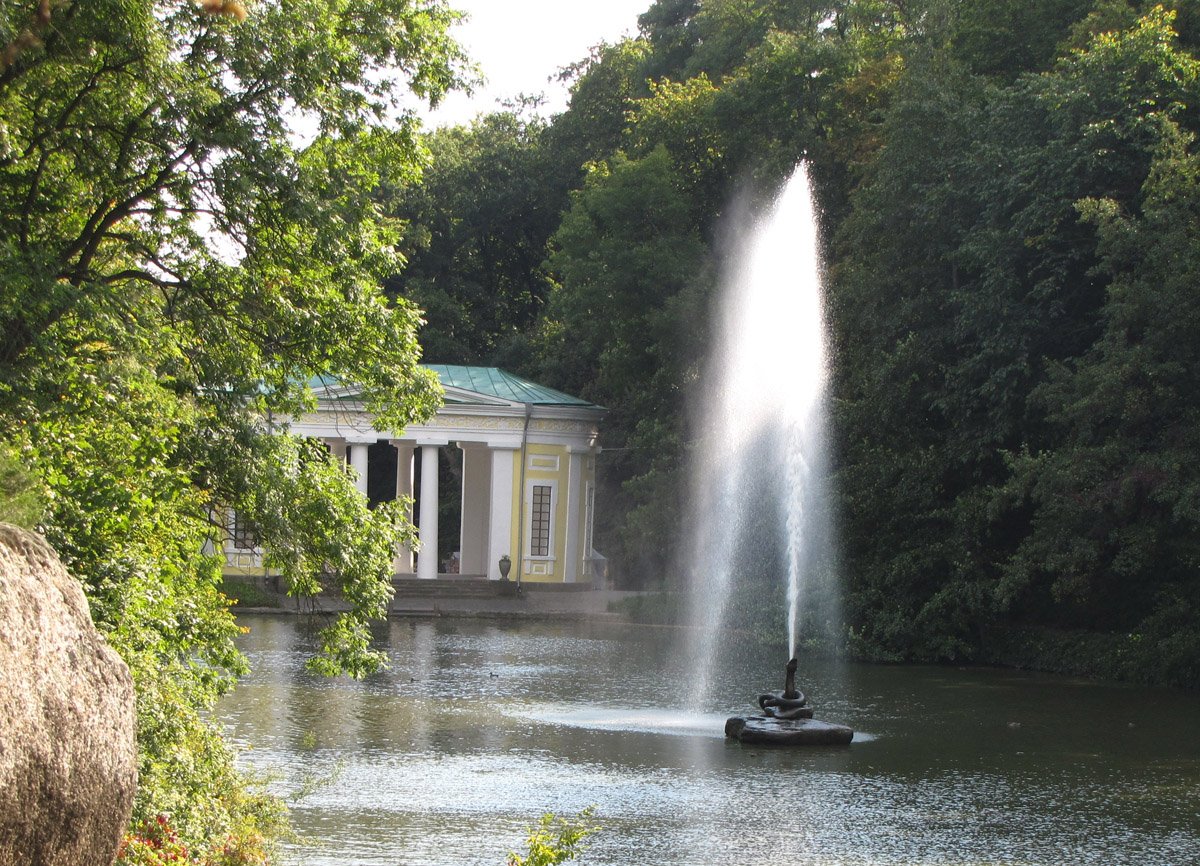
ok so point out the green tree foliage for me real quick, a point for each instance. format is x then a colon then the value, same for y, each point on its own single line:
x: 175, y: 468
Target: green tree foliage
x: 475, y: 235
x: 994, y: 277
x: 604, y: 87
x: 20, y: 493
x: 710, y: 95
x: 617, y: 330
x: 175, y: 271
x: 996, y: 39
x: 1006, y: 195
x: 1114, y: 504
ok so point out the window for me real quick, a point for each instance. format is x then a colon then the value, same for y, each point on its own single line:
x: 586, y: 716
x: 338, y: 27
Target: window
x: 589, y: 505
x: 245, y: 533
x: 539, y: 524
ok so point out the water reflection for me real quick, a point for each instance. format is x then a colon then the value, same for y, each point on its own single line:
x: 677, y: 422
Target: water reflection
x: 477, y: 729
x: 630, y: 720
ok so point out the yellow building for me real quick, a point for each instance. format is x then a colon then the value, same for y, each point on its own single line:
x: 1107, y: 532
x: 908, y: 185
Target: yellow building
x: 528, y: 475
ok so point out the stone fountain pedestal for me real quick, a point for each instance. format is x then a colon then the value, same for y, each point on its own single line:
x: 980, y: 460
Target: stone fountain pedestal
x: 786, y: 720
x: 764, y: 730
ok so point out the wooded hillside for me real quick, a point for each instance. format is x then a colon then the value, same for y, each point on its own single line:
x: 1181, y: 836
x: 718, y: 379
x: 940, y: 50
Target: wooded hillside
x: 1010, y: 193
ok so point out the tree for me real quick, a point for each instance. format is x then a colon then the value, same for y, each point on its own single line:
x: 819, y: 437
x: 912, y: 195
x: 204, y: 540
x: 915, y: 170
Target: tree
x: 175, y: 271
x: 968, y: 283
x: 1112, y: 543
x: 475, y: 236
x: 620, y: 330
x: 711, y: 99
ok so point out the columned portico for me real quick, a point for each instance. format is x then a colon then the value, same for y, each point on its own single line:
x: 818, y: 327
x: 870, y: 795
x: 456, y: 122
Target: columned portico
x: 575, y: 491
x: 527, y: 468
x: 358, y: 462
x: 427, y: 557
x: 476, y: 507
x: 404, y: 489
x: 337, y: 447
x: 500, y: 522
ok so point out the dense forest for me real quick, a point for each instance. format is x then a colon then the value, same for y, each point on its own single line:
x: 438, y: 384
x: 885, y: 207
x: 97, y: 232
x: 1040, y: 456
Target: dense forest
x: 1009, y: 193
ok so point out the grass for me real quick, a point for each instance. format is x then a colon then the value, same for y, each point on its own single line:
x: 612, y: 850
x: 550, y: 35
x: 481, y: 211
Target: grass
x: 248, y: 594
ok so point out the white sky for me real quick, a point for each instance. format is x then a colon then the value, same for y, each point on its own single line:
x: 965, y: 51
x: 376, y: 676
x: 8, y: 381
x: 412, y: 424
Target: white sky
x: 520, y: 44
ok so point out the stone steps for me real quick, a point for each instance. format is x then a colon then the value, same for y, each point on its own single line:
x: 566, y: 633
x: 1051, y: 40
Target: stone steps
x: 458, y: 587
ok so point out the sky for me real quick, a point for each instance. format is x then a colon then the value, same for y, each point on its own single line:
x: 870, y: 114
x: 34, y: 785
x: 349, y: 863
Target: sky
x: 520, y: 44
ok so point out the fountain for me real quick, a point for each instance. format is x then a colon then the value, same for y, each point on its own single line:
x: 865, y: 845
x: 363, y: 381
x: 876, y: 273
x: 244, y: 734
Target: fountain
x: 761, y: 468
x: 786, y: 720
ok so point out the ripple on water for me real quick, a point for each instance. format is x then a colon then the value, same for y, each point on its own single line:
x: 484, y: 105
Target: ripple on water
x: 680, y: 723
x: 808, y: 817
x: 438, y: 762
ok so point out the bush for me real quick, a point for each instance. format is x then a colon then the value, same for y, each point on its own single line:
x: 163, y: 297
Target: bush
x: 555, y: 840
x: 659, y: 608
x: 155, y: 843
x: 247, y: 594
x: 22, y: 499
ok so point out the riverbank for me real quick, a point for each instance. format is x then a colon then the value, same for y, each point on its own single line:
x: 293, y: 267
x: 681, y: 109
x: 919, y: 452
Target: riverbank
x: 1136, y: 658
x: 460, y: 597
x: 1102, y: 657
x: 1120, y: 657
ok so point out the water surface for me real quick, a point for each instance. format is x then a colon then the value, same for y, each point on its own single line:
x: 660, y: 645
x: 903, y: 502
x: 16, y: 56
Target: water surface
x: 479, y: 728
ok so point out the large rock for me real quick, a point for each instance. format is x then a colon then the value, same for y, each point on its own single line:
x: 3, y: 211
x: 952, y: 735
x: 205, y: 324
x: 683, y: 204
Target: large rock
x: 68, y: 764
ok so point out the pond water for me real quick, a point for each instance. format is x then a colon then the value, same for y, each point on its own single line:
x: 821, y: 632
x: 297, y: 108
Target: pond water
x: 479, y: 728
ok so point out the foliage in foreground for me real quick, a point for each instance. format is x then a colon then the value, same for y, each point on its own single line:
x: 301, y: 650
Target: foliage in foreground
x: 555, y: 840
x: 156, y: 843
x: 175, y: 271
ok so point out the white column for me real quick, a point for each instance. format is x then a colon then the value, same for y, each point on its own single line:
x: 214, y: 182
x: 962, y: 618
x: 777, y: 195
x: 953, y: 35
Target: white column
x: 574, y: 503
x: 476, y: 502
x: 427, y: 558
x: 358, y: 462
x: 404, y: 488
x: 500, y: 514
x: 337, y: 447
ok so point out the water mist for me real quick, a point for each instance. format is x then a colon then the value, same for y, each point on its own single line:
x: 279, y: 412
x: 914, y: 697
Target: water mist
x: 760, y: 475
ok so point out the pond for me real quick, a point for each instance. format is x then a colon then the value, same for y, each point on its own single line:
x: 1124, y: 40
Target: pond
x: 478, y: 728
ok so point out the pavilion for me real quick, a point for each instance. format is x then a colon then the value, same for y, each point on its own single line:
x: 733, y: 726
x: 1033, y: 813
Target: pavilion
x: 528, y: 475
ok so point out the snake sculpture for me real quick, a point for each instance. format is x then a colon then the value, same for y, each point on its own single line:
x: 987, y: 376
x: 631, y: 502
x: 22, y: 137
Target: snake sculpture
x: 788, y: 703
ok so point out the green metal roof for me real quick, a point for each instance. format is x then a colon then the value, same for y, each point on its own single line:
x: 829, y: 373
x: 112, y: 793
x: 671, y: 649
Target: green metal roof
x: 490, y: 381
x: 495, y: 382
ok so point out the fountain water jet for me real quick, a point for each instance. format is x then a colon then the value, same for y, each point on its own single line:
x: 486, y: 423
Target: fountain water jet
x: 760, y: 475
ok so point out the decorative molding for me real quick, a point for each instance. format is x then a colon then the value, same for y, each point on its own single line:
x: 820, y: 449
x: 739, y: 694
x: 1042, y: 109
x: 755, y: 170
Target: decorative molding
x: 561, y: 425
x: 539, y: 567
x: 476, y: 422
x: 340, y: 421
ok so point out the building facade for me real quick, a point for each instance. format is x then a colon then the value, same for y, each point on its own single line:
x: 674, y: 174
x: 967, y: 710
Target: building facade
x: 528, y: 458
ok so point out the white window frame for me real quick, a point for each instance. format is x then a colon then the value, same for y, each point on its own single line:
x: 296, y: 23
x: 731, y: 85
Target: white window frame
x: 531, y: 483
x: 589, y: 517
x: 248, y: 529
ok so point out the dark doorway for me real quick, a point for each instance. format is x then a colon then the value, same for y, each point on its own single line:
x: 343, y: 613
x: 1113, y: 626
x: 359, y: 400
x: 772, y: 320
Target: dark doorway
x: 381, y: 472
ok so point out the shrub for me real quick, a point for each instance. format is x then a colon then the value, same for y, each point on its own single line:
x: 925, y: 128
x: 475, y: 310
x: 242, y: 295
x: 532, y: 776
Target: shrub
x: 555, y: 840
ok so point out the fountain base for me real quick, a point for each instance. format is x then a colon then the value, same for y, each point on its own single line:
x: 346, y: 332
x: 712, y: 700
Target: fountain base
x: 787, y: 721
x: 764, y: 730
